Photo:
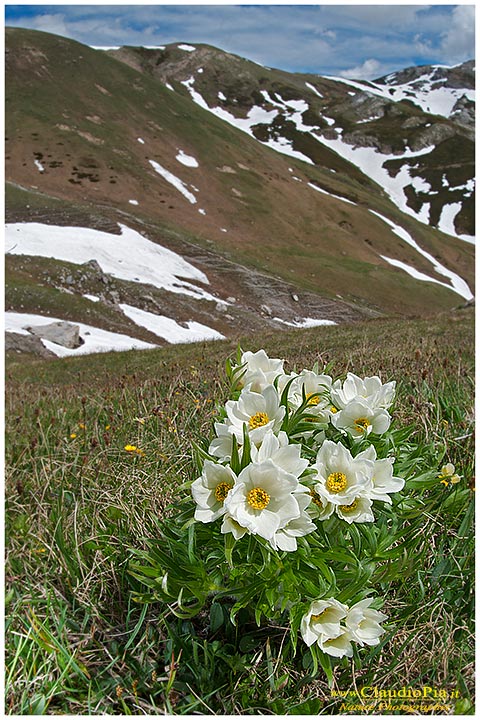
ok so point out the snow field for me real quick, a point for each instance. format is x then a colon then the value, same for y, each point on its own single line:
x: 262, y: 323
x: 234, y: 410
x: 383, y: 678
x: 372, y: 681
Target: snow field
x: 128, y: 256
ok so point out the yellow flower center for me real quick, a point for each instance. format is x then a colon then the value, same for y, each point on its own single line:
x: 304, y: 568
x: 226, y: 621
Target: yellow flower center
x: 318, y: 617
x: 316, y: 498
x: 257, y: 420
x: 313, y: 399
x: 258, y: 498
x: 362, y: 424
x: 221, y: 491
x: 336, y: 482
x: 333, y: 409
x: 349, y: 508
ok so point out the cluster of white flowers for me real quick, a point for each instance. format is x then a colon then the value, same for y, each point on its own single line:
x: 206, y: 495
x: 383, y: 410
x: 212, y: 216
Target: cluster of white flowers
x: 288, y: 454
x: 334, y: 626
x: 279, y: 494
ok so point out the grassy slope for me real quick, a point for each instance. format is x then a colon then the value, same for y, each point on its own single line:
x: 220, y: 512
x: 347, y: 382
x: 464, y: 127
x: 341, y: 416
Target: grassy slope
x: 85, y: 134
x: 75, y: 505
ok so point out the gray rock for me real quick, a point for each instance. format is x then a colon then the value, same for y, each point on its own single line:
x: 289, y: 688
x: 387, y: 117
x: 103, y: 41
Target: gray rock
x: 16, y: 342
x: 266, y: 310
x: 61, y: 333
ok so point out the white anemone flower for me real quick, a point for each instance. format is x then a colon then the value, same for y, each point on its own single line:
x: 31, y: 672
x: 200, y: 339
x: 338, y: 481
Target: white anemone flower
x: 323, y: 620
x: 339, y: 646
x: 317, y: 393
x: 283, y: 453
x: 369, y: 389
x: 358, y: 511
x: 263, y: 499
x: 257, y: 370
x: 363, y: 623
x: 359, y: 419
x: 383, y: 482
x: 340, y: 477
x: 229, y: 525
x: 211, y: 489
x: 286, y: 537
x: 221, y: 446
x: 259, y: 412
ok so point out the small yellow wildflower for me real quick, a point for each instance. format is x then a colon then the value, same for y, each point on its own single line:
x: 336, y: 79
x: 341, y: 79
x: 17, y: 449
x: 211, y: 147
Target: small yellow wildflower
x: 73, y: 436
x: 448, y: 475
x: 107, y: 427
x: 81, y: 426
x: 130, y: 448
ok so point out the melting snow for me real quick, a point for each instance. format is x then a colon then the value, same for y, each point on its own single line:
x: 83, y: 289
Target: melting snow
x: 438, y: 101
x: 256, y: 116
x: 446, y: 222
x: 39, y: 166
x: 458, y: 284
x: 187, y: 160
x: 202, y: 211
x: 173, y: 180
x: 128, y: 256
x: 95, y: 339
x: 306, y: 322
x: 167, y: 85
x: 371, y: 162
x: 337, y: 197
x: 169, y: 329
x: 93, y: 298
x: 221, y: 96
x: 314, y: 89
x: 187, y: 48
x: 141, y: 141
x: 133, y: 202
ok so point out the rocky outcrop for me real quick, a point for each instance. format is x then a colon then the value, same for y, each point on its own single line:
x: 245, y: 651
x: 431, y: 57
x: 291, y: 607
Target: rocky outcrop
x: 61, y: 333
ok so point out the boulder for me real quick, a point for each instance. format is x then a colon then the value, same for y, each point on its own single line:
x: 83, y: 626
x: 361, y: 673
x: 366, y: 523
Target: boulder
x: 62, y: 333
x: 19, y: 343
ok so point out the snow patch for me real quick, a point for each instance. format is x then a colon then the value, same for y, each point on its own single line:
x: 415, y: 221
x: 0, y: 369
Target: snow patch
x: 306, y: 322
x: 187, y: 160
x: 337, y: 197
x: 95, y: 339
x: 93, y: 298
x: 39, y: 166
x: 128, y: 256
x: 133, y: 202
x: 169, y: 329
x: 458, y: 284
x: 173, y: 180
x: 141, y: 141
x: 187, y: 48
x: 314, y: 89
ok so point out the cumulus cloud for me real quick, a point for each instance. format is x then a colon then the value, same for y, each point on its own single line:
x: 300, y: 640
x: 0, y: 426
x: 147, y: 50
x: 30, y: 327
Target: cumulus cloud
x: 458, y: 42
x: 368, y: 70
x: 322, y: 39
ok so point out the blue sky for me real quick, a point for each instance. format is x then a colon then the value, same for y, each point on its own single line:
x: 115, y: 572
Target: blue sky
x: 362, y: 41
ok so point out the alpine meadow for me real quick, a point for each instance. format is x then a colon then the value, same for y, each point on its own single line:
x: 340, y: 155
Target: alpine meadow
x: 239, y: 424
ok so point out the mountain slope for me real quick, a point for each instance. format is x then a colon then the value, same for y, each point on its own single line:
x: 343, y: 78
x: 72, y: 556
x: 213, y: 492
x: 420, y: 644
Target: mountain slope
x: 378, y: 126
x: 100, y: 141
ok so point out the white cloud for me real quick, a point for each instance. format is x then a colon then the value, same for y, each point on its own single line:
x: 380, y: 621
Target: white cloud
x: 458, y: 42
x: 369, y: 70
x: 324, y: 39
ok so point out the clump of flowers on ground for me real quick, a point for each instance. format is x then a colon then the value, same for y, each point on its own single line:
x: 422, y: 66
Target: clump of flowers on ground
x: 295, y: 515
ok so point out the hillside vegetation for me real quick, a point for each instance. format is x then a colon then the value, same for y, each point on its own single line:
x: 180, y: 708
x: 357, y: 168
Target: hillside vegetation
x: 78, y: 503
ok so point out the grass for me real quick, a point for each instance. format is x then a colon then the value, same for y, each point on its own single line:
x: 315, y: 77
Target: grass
x: 78, y: 503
